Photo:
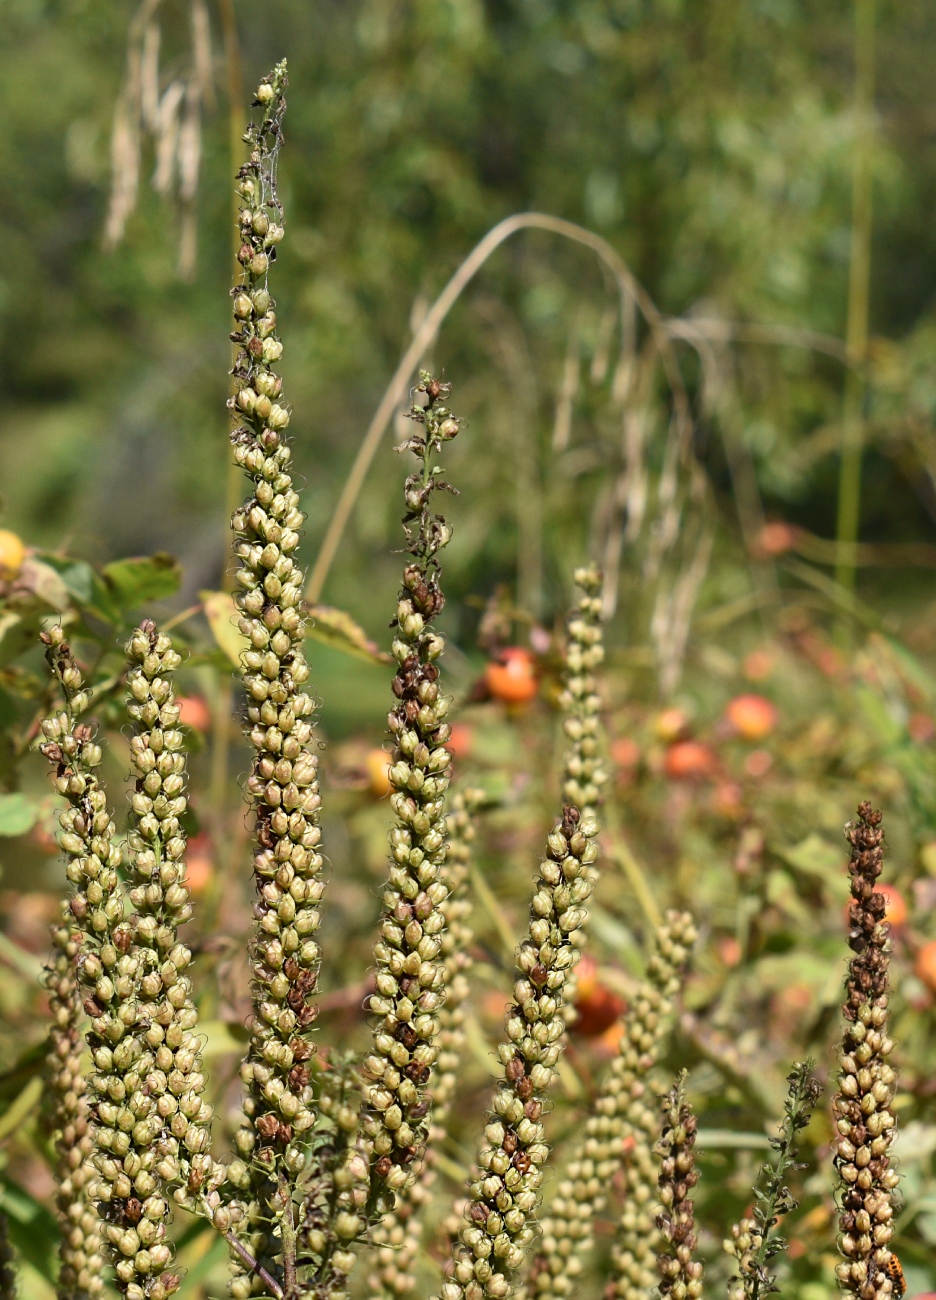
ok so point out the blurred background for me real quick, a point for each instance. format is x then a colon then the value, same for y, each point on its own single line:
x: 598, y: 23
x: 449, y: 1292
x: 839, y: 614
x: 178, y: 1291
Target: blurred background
x: 726, y: 396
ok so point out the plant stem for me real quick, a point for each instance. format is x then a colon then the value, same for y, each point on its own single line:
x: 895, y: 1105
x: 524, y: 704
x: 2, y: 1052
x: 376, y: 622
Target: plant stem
x: 288, y: 1238
x: 244, y: 1255
x: 856, y: 339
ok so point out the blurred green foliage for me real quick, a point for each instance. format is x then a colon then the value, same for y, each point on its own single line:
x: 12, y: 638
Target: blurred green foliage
x: 712, y: 146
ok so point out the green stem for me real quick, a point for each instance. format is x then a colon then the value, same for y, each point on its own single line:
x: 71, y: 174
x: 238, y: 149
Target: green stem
x: 856, y: 338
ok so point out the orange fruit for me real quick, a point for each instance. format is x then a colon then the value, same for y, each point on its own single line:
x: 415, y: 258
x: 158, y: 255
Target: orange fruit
x: 194, y: 712
x: 689, y: 760
x: 378, y: 764
x: 625, y: 752
x: 729, y: 950
x: 925, y: 965
x: 461, y: 742
x: 758, y: 763
x: 12, y: 554
x: 896, y: 907
x: 728, y: 799
x: 758, y: 665
x: 597, y: 1006
x: 752, y: 716
x: 670, y: 724
x: 511, y: 677
x: 776, y: 538
x: 921, y: 728
x: 199, y: 864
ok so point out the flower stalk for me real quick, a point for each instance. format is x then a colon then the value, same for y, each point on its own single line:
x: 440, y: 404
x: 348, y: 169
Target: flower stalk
x: 505, y: 1191
x: 619, y: 1115
x: 754, y: 1242
x: 124, y: 1107
x: 80, y: 1259
x: 400, y: 1232
x: 161, y: 902
x: 410, y: 977
x: 283, y: 787
x: 864, y: 1119
x: 679, y: 1272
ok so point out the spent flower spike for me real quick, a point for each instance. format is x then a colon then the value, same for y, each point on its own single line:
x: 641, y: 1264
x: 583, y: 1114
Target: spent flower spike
x: 283, y: 787
x: 621, y: 1111
x: 505, y: 1190
x: 126, y: 1123
x: 864, y: 1119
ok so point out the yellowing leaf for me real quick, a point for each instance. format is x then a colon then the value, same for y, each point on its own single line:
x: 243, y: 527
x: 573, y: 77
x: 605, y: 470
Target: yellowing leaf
x: 220, y: 612
x: 338, y: 629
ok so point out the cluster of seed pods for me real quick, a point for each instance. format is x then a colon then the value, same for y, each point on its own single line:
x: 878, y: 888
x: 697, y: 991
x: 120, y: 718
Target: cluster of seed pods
x: 865, y: 1123
x: 617, y: 1135
x: 505, y: 1190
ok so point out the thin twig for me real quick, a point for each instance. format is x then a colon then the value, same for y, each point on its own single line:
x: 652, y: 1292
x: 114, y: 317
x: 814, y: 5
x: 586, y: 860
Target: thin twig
x: 246, y: 1258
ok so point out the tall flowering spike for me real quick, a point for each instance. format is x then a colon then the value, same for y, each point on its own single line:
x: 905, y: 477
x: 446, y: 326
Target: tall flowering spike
x: 620, y: 1115
x: 161, y: 903
x: 80, y: 1259
x: 864, y: 1120
x: 126, y: 1121
x: 504, y: 1192
x: 633, y: 1255
x: 410, y: 975
x: 400, y: 1232
x: 679, y: 1272
x: 754, y: 1243
x: 283, y: 784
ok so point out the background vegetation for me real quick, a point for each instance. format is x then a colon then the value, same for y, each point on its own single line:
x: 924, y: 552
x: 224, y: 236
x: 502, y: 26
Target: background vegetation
x: 714, y: 147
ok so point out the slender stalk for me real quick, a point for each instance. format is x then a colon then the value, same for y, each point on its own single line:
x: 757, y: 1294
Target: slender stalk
x: 400, y: 1232
x: 680, y: 1272
x: 80, y: 1259
x: 283, y: 785
x: 124, y: 1045
x: 504, y: 1192
x: 619, y: 1120
x: 754, y: 1242
x: 862, y: 1108
x: 856, y: 337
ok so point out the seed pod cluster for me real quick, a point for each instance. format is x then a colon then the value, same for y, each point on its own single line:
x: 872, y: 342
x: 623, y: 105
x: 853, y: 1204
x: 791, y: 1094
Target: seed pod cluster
x: 746, y: 1240
x: 864, y: 1120
x: 504, y: 1192
x: 283, y: 785
x: 399, y: 1234
x: 160, y: 899
x: 80, y: 1259
x: 410, y: 972
x: 126, y: 1122
x: 680, y: 1273
x: 585, y: 774
x: 620, y: 1119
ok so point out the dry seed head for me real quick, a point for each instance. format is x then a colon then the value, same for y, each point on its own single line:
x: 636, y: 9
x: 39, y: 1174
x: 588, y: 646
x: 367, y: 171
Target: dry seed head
x: 621, y: 1117
x: 505, y: 1190
x: 865, y: 1122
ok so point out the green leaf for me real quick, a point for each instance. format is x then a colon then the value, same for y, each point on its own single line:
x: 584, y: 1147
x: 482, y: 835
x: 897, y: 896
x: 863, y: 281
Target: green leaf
x: 33, y: 1229
x: 338, y: 629
x: 29, y: 1065
x: 45, y: 582
x: 142, y: 579
x: 77, y: 577
x: 18, y: 814
x: 220, y: 612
